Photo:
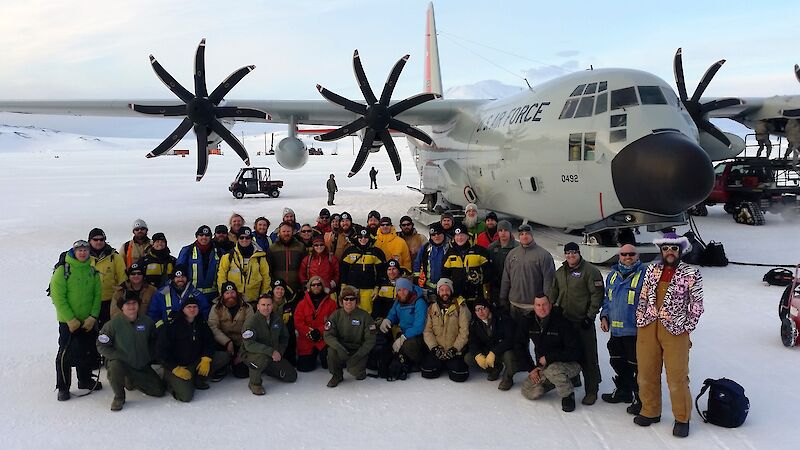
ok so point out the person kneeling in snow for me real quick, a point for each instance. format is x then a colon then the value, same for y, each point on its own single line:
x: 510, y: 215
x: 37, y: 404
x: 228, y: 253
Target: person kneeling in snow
x: 350, y: 335
x: 491, y: 344
x: 446, y: 334
x: 264, y: 342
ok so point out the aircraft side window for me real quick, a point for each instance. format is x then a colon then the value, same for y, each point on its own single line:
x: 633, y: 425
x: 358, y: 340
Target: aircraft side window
x: 591, y: 88
x: 618, y: 135
x: 588, y: 146
x: 672, y: 99
x: 602, y: 103
x: 719, y: 169
x: 578, y: 91
x: 619, y: 120
x: 575, y: 146
x: 621, y: 98
x: 585, y: 107
x: 651, y: 95
x: 602, y: 86
x: 569, y: 109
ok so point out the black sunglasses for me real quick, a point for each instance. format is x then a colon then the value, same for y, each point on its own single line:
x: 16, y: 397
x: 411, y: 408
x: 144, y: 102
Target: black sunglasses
x: 627, y: 254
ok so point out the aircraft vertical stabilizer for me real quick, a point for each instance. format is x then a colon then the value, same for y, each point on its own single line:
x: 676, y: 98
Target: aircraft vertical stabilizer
x: 433, y: 74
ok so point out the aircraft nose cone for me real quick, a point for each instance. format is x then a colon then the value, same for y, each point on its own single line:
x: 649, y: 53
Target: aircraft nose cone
x: 664, y: 173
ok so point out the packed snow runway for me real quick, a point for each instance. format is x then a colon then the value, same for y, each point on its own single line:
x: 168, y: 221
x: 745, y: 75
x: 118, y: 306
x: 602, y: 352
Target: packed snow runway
x: 56, y: 187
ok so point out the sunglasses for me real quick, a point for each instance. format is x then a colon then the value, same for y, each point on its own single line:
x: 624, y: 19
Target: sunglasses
x: 99, y: 239
x: 305, y: 231
x: 386, y: 224
x: 316, y: 284
x: 480, y: 308
x: 319, y: 245
x: 572, y: 252
x: 348, y: 299
x: 627, y: 254
x: 436, y: 234
x: 139, y: 229
x: 244, y: 238
x: 670, y: 248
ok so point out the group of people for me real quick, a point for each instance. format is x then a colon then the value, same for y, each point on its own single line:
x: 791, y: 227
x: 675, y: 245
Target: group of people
x: 342, y: 296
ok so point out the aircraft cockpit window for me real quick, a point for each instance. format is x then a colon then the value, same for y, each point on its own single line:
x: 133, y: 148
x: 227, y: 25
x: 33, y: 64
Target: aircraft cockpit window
x: 585, y: 107
x: 602, y: 86
x: 578, y: 91
x: 621, y: 98
x: 591, y: 88
x: 651, y: 95
x: 672, y: 99
x: 569, y: 109
x: 602, y: 103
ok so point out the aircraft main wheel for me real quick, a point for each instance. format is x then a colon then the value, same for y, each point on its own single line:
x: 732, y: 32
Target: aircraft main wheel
x: 274, y: 193
x: 238, y: 194
x: 699, y: 210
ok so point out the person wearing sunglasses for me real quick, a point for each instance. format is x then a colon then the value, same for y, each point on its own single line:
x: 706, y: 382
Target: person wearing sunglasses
x: 618, y: 315
x: 320, y: 263
x: 350, y: 336
x: 246, y: 267
x: 360, y: 267
x: 137, y: 247
x: 111, y: 267
x: 414, y: 240
x: 202, y: 262
x: 310, y: 316
x: 578, y: 290
x: 670, y: 305
x: 528, y: 269
x: 306, y: 236
x: 392, y: 245
x: 430, y: 260
x: 136, y: 284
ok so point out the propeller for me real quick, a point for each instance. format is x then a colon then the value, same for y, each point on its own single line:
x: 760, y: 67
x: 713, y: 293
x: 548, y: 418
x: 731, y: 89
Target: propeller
x: 377, y: 116
x: 698, y: 111
x: 201, y: 110
x: 797, y: 72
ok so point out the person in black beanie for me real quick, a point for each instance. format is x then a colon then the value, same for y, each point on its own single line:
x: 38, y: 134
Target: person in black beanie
x: 158, y: 262
x: 111, y: 267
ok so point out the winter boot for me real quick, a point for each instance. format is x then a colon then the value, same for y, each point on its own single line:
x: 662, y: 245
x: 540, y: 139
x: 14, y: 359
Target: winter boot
x: 335, y: 380
x: 201, y: 383
x: 568, y: 403
x: 589, y: 399
x: 256, y: 389
x: 643, y: 421
x: 680, y: 429
x: 493, y: 373
x: 63, y: 395
x: 505, y: 383
x: 116, y: 404
x: 576, y: 381
x: 636, y: 407
x: 620, y: 394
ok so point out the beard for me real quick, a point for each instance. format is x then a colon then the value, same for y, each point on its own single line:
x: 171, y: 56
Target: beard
x: 671, y: 260
x: 470, y: 222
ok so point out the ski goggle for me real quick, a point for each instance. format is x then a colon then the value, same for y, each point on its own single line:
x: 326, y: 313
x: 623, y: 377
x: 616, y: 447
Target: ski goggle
x: 80, y: 244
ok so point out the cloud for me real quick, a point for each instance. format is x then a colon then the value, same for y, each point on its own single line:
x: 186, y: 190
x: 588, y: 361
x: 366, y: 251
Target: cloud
x: 544, y: 73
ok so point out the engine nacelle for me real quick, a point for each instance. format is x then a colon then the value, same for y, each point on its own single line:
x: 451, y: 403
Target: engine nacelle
x: 376, y: 144
x: 291, y: 153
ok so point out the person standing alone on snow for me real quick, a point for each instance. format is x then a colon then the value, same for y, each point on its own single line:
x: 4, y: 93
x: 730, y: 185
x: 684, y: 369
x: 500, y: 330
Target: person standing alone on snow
x: 373, y: 178
x: 332, y: 189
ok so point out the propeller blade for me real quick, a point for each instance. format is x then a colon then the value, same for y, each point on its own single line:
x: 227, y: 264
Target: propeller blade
x: 719, y: 104
x: 339, y: 133
x: 172, y: 139
x: 347, y: 104
x: 228, y: 137
x: 405, y: 128
x: 232, y: 111
x: 202, y: 150
x: 363, y: 152
x: 166, y: 111
x: 222, y: 90
x: 411, y: 102
x: 680, y: 82
x: 170, y: 82
x: 797, y: 72
x: 391, y: 80
x: 200, y: 70
x: 709, y: 128
x: 391, y: 149
x: 706, y: 79
x: 363, y: 83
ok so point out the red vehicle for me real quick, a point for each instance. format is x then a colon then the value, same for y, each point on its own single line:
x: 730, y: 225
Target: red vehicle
x: 255, y: 180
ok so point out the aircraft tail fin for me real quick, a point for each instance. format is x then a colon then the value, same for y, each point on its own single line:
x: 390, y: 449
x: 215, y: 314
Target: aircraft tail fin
x: 433, y: 73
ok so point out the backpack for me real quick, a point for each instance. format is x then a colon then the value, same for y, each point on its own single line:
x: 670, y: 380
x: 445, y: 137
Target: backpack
x: 727, y: 404
x: 778, y: 276
x: 695, y: 255
x: 714, y: 255
x: 62, y: 261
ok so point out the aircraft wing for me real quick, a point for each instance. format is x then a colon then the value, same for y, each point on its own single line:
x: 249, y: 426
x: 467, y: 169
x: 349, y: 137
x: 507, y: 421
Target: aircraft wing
x: 752, y: 109
x: 308, y: 112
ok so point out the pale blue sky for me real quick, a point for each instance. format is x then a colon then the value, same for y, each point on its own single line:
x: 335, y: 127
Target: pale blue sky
x: 99, y: 48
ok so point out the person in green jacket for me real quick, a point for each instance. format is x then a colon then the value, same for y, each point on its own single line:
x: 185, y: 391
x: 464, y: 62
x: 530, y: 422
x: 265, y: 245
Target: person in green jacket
x: 264, y: 342
x: 75, y: 291
x: 578, y: 290
x: 350, y: 335
x: 126, y: 342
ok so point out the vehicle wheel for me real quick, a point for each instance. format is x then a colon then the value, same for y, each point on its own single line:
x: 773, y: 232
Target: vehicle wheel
x: 748, y: 213
x: 699, y: 210
x: 274, y: 193
x: 238, y: 194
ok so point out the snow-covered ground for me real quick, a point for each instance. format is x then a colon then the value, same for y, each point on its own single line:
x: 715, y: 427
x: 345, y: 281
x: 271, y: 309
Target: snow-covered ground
x: 57, y: 186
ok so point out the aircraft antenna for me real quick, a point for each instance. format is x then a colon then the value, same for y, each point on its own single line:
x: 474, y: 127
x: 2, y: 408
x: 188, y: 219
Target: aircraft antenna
x: 488, y: 60
x: 529, y: 85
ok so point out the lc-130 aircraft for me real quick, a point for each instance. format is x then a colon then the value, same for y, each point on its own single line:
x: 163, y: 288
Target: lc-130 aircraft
x: 599, y: 150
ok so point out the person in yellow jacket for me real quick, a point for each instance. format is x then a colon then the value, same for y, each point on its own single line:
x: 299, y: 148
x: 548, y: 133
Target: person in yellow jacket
x: 392, y: 245
x: 246, y: 267
x: 111, y: 267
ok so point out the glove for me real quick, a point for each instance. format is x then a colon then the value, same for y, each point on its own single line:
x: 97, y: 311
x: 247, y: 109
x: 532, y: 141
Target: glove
x: 182, y: 373
x: 450, y: 353
x: 587, y: 323
x: 438, y: 351
x: 386, y: 325
x: 204, y: 366
x: 398, y: 343
x: 89, y: 323
x: 333, y: 285
x: 287, y: 315
x: 314, y: 335
x: 490, y: 359
x: 481, y: 360
x: 73, y: 325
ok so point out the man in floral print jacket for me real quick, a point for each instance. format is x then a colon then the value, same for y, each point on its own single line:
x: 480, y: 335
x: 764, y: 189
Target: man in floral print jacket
x: 670, y: 305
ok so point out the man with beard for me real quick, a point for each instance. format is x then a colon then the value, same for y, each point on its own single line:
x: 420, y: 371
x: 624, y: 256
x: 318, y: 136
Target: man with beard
x: 201, y: 262
x: 474, y: 224
x: 468, y: 267
x: 310, y: 316
x: 136, y: 248
x: 446, y: 333
x: 285, y: 256
x: 289, y: 218
x: 170, y: 298
x: 111, y: 267
x: 489, y: 235
x: 670, y: 305
x: 578, y: 290
x: 392, y: 245
x: 373, y: 222
x: 498, y: 250
x: 447, y: 222
x: 158, y: 262
x: 246, y: 267
x: 350, y: 335
x: 430, y: 259
x: 414, y: 240
x: 226, y: 320
x: 360, y: 268
x: 335, y: 219
x: 408, y: 313
x: 136, y: 285
x: 618, y: 314
x: 528, y: 269
x: 338, y: 240
x: 261, y: 238
x: 323, y: 224
x: 222, y: 243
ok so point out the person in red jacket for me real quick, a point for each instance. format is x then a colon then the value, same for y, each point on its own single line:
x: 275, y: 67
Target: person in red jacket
x: 321, y: 263
x: 309, y: 320
x: 490, y: 234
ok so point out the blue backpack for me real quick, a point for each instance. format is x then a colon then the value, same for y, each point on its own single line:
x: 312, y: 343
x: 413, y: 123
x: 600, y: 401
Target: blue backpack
x: 727, y: 404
